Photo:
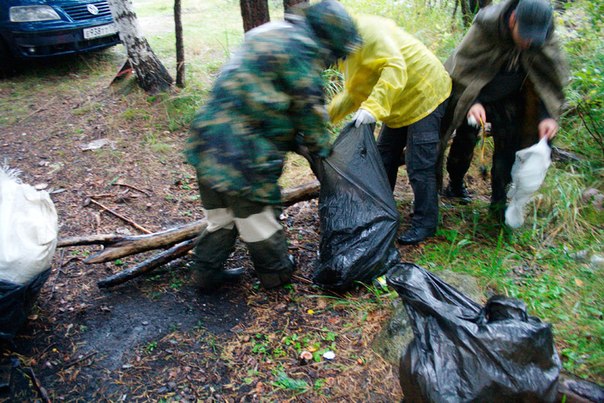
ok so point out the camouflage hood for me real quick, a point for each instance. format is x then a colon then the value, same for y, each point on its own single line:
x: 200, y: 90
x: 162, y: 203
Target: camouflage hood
x: 333, y: 26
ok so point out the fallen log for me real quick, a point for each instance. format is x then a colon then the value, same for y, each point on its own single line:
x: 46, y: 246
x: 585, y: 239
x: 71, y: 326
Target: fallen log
x: 117, y: 246
x: 148, y: 265
x: 143, y: 243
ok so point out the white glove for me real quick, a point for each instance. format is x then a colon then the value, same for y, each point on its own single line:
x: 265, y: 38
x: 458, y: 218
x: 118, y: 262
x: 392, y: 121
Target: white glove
x: 472, y: 122
x: 363, y: 117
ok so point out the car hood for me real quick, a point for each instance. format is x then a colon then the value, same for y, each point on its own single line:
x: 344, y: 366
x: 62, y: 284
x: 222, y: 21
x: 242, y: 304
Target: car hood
x: 48, y: 2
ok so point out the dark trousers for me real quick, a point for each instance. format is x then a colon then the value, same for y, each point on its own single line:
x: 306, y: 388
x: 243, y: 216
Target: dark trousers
x: 511, y: 131
x: 416, y: 146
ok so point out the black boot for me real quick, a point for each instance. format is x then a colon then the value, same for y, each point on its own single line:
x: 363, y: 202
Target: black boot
x: 497, y: 210
x: 210, y: 253
x: 274, y: 266
x: 415, y: 235
x: 458, y: 191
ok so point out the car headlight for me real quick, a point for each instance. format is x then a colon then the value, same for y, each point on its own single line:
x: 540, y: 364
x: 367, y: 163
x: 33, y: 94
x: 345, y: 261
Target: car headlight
x: 33, y: 13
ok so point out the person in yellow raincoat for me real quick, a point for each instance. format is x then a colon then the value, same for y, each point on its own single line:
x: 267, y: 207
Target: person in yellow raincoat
x: 395, y: 79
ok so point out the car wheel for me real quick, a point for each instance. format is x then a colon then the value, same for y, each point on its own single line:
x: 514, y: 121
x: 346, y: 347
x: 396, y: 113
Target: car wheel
x: 7, y: 62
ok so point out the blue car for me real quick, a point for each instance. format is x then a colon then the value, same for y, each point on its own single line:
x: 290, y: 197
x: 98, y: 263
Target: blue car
x: 32, y: 29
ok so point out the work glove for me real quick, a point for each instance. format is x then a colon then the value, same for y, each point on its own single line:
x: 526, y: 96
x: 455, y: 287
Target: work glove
x: 363, y: 117
x: 473, y: 122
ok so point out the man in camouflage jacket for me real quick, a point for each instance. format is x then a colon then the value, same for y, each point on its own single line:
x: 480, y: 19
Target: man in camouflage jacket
x: 268, y: 100
x: 509, y: 71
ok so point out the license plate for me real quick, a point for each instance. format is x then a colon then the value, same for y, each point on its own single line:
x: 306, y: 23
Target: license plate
x: 98, y: 32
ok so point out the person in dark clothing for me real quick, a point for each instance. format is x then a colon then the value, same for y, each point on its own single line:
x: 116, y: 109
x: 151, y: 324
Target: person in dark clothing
x: 508, y: 71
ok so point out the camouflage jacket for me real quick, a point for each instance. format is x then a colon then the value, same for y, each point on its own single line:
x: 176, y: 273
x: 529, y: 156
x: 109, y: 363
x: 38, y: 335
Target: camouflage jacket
x: 266, y: 101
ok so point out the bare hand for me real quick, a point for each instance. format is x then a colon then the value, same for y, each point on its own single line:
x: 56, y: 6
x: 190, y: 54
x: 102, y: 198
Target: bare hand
x: 478, y: 113
x: 548, y: 128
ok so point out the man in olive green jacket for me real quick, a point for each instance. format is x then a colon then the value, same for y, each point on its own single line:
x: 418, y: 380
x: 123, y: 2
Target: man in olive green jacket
x: 509, y: 71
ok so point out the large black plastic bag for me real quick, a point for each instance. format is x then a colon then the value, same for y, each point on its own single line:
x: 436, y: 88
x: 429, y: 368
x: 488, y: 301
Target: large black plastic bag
x: 357, y: 212
x: 16, y: 301
x: 463, y: 352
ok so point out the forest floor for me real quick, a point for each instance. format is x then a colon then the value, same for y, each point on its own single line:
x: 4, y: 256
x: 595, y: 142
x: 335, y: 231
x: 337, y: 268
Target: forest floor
x: 156, y: 337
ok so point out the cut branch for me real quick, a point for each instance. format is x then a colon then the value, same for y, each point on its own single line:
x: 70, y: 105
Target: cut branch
x: 148, y: 265
x: 142, y: 243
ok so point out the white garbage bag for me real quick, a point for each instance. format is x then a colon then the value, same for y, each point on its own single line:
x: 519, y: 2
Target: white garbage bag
x: 528, y: 173
x: 28, y: 229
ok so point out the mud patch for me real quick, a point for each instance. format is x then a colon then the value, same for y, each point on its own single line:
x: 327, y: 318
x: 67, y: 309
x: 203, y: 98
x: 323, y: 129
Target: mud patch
x: 136, y: 321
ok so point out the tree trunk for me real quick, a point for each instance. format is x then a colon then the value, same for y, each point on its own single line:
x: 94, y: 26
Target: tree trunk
x: 151, y: 74
x: 254, y: 13
x: 288, y: 4
x: 469, y: 8
x: 466, y: 14
x: 180, y: 48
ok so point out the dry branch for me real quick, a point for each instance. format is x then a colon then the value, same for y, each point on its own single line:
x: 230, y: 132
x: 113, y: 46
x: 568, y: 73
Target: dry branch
x: 131, y: 187
x: 96, y: 239
x: 142, y: 243
x: 121, y: 217
x: 148, y: 265
x: 118, y: 246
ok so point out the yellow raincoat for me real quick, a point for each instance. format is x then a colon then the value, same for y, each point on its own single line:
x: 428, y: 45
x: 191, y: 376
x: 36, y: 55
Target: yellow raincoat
x: 392, y: 75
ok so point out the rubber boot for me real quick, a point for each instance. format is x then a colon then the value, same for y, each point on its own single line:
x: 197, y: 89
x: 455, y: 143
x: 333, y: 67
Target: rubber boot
x: 210, y: 253
x: 457, y: 190
x: 274, y: 266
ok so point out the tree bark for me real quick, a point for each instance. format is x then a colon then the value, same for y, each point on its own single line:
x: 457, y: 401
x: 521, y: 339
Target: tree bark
x: 180, y: 48
x: 469, y: 8
x: 254, y: 13
x: 151, y: 74
x: 288, y: 4
x: 117, y: 246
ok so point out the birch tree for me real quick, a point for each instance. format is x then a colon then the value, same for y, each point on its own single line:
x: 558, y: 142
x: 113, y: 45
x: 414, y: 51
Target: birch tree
x: 151, y: 74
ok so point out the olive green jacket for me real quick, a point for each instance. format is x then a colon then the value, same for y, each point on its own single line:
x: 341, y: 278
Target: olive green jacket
x: 481, y: 54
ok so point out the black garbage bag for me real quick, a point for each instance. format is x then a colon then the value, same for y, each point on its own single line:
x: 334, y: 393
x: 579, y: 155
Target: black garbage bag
x: 18, y: 383
x: 16, y: 301
x: 357, y: 212
x: 463, y: 352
